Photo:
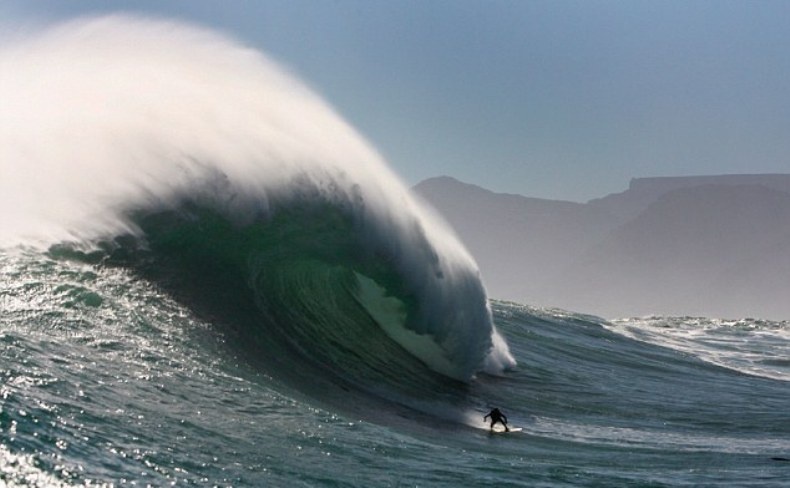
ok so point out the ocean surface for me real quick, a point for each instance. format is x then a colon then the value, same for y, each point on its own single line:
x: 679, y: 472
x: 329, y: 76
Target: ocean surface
x: 108, y: 377
x: 207, y: 278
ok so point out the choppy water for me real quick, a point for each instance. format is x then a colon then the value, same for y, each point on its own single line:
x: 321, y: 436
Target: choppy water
x: 109, y: 379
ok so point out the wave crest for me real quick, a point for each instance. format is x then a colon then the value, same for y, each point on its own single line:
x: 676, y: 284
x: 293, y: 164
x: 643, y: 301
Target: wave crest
x: 115, y: 122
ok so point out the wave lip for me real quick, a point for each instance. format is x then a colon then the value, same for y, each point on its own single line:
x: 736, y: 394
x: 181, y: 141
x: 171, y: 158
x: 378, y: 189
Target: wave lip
x: 115, y: 117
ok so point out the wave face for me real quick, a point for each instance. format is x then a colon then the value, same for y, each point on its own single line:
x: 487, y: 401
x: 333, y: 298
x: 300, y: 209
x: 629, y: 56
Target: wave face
x: 182, y: 148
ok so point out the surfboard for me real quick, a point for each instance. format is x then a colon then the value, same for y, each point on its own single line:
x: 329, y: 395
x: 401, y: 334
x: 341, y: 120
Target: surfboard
x: 503, y: 431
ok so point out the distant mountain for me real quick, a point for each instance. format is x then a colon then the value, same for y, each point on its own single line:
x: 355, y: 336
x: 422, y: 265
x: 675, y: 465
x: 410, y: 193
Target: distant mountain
x: 644, y: 191
x: 716, y: 246
x: 520, y: 243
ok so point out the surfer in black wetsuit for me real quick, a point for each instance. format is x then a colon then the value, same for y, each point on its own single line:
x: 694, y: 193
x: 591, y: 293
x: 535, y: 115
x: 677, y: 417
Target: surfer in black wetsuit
x: 497, y: 416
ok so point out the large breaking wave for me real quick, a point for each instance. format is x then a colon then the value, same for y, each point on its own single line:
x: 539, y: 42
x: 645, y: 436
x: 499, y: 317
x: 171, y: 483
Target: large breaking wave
x: 188, y: 150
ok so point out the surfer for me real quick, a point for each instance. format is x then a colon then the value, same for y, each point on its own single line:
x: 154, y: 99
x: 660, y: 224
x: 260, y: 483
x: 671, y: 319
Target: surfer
x: 497, y: 416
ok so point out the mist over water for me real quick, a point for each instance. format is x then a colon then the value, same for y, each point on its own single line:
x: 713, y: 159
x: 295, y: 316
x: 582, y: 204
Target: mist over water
x: 106, y: 113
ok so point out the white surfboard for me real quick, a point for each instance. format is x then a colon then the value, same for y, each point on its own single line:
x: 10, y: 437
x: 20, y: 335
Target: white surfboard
x: 500, y: 430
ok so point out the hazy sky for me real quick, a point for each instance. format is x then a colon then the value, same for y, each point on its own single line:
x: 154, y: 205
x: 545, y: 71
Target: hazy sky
x: 553, y: 99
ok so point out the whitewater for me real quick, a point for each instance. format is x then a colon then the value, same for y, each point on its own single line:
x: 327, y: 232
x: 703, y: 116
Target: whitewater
x: 207, y: 277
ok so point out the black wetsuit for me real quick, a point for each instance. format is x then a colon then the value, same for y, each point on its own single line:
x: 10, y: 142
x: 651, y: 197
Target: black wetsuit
x: 497, y: 416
